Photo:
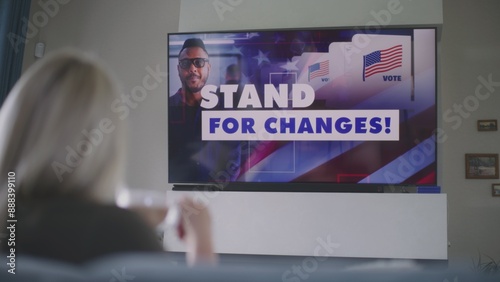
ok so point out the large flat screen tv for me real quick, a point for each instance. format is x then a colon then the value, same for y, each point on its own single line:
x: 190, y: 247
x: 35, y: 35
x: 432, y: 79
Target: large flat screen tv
x: 324, y: 109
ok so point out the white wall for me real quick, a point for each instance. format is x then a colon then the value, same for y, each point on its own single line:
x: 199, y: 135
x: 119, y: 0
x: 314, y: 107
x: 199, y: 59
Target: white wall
x: 131, y: 35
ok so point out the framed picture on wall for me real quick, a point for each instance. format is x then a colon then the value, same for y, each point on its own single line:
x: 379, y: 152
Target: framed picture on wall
x: 487, y: 125
x: 481, y: 166
x: 495, y: 189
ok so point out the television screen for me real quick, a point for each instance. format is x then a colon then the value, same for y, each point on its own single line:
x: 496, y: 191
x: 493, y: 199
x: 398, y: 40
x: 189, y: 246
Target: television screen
x: 323, y: 107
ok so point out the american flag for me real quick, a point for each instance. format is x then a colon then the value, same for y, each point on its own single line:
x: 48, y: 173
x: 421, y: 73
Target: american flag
x: 318, y: 69
x: 382, y: 60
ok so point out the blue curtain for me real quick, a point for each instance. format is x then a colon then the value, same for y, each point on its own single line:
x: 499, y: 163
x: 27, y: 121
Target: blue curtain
x: 13, y: 31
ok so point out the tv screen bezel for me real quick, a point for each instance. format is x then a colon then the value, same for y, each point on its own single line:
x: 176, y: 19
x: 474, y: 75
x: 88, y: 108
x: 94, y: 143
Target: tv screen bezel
x: 306, y: 186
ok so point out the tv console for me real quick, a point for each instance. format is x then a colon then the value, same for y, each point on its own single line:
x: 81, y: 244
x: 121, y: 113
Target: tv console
x: 356, y: 225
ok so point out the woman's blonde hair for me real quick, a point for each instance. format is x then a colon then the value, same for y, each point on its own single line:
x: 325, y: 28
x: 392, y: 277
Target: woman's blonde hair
x: 58, y: 134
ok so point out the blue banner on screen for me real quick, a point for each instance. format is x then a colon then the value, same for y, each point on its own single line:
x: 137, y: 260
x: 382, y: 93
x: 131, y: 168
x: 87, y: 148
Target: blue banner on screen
x: 339, y: 106
x: 320, y: 125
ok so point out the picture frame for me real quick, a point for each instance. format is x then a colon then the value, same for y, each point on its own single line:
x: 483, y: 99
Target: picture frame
x: 481, y: 166
x: 495, y: 189
x: 487, y: 125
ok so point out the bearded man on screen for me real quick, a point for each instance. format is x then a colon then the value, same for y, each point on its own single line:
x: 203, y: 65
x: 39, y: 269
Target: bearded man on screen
x: 193, y: 160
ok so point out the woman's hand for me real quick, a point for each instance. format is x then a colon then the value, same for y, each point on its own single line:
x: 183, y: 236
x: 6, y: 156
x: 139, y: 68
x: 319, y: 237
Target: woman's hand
x: 195, y: 229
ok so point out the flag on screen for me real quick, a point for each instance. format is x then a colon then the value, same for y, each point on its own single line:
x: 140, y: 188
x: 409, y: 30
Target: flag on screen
x: 318, y: 69
x: 382, y: 60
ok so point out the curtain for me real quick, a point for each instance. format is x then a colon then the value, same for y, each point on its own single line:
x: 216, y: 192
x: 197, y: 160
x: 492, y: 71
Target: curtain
x: 14, y: 16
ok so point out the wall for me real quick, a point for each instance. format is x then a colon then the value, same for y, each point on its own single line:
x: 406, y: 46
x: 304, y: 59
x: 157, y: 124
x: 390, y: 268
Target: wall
x: 469, y: 50
x: 131, y: 35
x: 263, y: 14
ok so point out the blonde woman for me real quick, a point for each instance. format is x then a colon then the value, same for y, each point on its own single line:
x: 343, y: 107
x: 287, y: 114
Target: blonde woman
x: 61, y: 158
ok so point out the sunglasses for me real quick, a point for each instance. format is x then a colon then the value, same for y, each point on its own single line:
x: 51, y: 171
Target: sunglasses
x: 197, y: 62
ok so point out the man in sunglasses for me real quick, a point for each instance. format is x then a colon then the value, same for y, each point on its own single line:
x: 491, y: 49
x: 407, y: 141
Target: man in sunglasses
x: 193, y: 69
x: 192, y: 160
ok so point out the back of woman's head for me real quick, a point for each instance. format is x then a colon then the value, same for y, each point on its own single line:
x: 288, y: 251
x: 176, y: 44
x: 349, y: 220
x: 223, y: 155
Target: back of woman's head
x: 58, y: 133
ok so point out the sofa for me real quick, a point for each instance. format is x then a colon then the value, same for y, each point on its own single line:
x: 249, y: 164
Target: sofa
x: 171, y: 267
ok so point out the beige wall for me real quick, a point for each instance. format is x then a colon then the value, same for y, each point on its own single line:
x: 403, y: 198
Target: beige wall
x: 469, y: 49
x: 131, y: 35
